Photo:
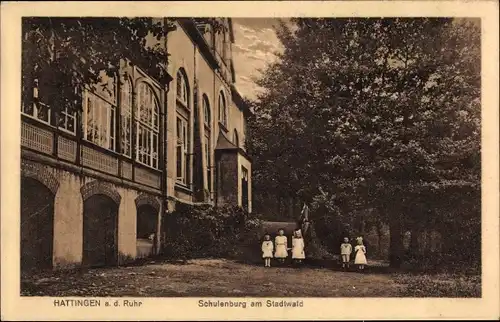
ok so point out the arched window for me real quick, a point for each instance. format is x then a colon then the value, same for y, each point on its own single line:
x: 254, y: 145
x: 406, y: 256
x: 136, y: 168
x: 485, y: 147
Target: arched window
x: 207, y: 145
x: 235, y: 138
x: 206, y: 111
x: 147, y: 120
x: 126, y: 116
x: 182, y: 89
x: 222, y: 109
x: 182, y: 129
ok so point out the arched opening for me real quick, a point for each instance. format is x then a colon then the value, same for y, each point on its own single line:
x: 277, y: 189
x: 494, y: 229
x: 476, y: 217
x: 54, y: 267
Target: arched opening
x: 37, y: 224
x: 147, y: 223
x: 100, y: 223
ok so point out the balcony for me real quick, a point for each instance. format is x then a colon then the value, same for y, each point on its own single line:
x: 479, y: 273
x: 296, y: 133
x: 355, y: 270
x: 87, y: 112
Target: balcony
x: 47, y: 140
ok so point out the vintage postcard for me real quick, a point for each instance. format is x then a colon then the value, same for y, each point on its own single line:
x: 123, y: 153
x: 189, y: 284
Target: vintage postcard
x: 264, y: 160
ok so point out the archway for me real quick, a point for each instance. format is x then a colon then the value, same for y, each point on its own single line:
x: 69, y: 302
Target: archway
x: 37, y: 224
x: 100, y: 230
x: 147, y: 223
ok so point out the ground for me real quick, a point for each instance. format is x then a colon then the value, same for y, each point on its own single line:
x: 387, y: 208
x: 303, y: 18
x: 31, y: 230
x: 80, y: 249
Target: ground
x: 220, y: 277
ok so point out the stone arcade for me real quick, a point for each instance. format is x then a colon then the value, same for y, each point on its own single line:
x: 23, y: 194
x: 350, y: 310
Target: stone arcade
x: 95, y: 186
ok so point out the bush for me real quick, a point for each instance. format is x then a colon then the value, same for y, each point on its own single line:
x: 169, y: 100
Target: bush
x: 207, y: 231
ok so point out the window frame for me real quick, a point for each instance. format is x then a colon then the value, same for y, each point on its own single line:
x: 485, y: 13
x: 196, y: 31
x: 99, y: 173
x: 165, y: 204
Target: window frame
x: 208, y: 158
x: 68, y: 116
x: 110, y: 110
x: 126, y: 115
x: 222, y: 111
x: 207, y: 113
x: 36, y: 105
x: 183, y: 139
x: 150, y: 125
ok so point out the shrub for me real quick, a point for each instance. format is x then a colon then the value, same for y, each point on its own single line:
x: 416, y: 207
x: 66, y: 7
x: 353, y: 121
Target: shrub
x: 207, y: 231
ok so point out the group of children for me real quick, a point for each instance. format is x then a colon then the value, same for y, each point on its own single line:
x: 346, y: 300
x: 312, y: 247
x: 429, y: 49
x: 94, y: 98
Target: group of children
x: 279, y: 250
x: 359, y: 250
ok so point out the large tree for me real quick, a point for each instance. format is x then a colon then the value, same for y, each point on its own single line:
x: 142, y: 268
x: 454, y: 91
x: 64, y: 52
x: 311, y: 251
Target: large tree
x: 373, y: 114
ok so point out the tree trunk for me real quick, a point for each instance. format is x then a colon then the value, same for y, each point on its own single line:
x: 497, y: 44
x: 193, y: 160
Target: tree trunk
x: 379, y: 238
x: 290, y: 208
x: 396, y: 250
x: 414, y: 250
x: 279, y: 207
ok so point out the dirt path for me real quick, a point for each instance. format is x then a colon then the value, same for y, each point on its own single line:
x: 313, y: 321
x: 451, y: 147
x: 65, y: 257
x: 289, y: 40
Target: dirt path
x: 207, y: 277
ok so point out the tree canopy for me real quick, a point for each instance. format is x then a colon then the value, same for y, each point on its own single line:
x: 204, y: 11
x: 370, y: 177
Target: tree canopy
x: 373, y: 113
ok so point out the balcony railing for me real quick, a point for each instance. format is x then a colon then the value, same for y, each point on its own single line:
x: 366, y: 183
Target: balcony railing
x: 41, y: 138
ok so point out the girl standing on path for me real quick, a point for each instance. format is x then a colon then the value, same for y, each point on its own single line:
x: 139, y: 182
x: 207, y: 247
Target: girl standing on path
x: 360, y: 251
x: 267, y: 250
x: 298, y: 247
x: 281, y: 246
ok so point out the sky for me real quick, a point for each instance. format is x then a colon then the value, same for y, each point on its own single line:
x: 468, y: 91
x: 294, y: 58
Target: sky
x: 253, y: 49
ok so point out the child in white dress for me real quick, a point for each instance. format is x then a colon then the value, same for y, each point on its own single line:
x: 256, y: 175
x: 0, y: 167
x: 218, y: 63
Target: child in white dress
x: 298, y: 253
x: 267, y: 250
x: 360, y: 251
x: 281, y: 243
x: 345, y: 252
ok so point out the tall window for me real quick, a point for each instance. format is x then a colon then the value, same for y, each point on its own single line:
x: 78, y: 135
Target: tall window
x: 207, y: 160
x: 126, y: 116
x: 99, y: 117
x: 147, y: 120
x: 182, y: 129
x: 244, y: 188
x: 99, y: 121
x: 208, y: 122
x: 206, y: 111
x: 224, y: 45
x: 222, y: 109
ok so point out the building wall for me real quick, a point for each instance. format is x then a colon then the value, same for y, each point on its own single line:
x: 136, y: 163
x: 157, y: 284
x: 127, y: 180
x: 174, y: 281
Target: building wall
x: 127, y: 221
x: 68, y: 220
x: 206, y: 80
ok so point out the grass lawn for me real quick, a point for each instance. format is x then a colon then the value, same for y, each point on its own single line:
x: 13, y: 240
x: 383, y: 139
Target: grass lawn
x: 220, y: 277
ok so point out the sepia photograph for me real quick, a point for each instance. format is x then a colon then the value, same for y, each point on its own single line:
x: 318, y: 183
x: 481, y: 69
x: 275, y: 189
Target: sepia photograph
x: 188, y: 157
x: 225, y: 157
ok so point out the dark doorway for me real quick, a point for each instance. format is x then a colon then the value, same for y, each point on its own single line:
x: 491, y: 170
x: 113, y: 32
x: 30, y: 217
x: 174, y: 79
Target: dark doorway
x: 147, y: 223
x: 37, y: 225
x: 244, y: 188
x: 100, y: 223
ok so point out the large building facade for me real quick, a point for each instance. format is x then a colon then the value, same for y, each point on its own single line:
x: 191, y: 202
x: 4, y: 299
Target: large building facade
x: 95, y: 185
